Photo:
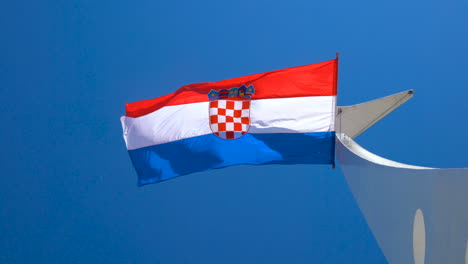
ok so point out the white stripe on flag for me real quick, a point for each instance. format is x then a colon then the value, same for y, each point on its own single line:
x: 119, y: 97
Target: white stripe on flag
x: 282, y: 115
x: 292, y: 115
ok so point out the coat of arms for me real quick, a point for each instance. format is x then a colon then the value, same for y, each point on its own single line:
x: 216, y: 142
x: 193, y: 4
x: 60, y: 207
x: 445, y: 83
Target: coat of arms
x: 230, y: 111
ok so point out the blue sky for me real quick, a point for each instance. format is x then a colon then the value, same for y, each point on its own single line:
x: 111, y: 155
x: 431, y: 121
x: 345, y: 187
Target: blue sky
x: 68, y: 192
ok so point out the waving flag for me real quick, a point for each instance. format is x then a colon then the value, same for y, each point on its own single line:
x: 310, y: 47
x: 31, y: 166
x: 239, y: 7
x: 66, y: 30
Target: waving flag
x: 278, y: 117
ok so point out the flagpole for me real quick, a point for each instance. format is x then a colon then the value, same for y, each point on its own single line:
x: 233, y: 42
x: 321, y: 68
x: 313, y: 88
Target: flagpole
x: 335, y: 88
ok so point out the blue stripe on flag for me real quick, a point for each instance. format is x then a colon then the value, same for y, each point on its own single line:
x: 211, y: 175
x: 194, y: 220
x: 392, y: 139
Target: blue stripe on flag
x: 162, y: 162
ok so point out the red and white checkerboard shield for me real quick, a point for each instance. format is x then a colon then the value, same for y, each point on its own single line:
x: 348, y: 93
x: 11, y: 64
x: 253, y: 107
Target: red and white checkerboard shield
x: 230, y: 119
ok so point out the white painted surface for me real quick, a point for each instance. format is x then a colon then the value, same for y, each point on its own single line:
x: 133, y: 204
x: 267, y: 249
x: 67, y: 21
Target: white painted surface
x: 355, y: 119
x: 364, y: 153
x: 389, y: 193
x: 389, y: 196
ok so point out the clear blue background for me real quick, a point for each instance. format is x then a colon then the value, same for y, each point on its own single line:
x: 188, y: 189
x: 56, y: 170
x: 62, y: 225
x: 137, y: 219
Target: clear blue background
x: 68, y: 191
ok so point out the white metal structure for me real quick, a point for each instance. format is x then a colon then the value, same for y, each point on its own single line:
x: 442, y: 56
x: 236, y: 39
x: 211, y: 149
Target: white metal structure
x: 417, y: 214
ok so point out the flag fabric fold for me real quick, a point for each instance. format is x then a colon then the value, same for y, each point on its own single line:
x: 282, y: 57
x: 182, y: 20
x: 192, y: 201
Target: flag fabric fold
x: 279, y: 117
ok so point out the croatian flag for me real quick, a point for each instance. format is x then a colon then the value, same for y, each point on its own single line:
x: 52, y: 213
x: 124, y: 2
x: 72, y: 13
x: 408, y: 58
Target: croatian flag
x: 278, y: 117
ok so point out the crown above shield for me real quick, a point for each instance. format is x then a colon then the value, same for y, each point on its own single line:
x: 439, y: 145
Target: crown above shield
x: 243, y: 91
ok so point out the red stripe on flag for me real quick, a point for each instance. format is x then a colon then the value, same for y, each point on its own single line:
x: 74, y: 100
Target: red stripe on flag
x: 317, y: 79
